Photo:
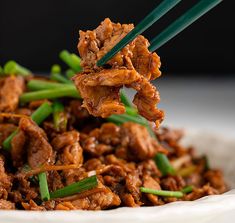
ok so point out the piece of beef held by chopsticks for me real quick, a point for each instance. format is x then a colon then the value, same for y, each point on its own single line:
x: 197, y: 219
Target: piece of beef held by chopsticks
x: 133, y: 67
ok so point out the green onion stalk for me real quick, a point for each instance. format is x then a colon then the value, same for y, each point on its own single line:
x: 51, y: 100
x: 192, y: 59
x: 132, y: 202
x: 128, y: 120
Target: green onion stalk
x: 69, y: 73
x: 66, y: 91
x: 59, y: 117
x: 164, y: 193
x: 78, y: 187
x: 163, y: 164
x: 11, y: 67
x: 56, y: 69
x: 187, y: 189
x: 43, y: 186
x: 57, y: 76
x: 72, y: 60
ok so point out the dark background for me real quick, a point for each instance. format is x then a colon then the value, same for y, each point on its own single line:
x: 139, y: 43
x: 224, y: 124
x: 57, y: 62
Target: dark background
x: 34, y: 32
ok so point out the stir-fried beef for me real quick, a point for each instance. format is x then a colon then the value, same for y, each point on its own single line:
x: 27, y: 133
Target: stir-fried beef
x: 120, y: 156
x: 38, y: 148
x: 5, y: 179
x: 73, y: 147
x: 12, y: 88
x: 6, y: 205
x: 134, y: 66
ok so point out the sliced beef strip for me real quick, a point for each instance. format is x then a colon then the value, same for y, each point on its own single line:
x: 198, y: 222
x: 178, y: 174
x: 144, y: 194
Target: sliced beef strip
x: 215, y: 179
x: 102, y: 141
x: 64, y: 139
x: 99, y: 100
x: 6, y: 205
x: 133, y: 67
x: 69, y: 152
x: 173, y: 183
x: 38, y: 148
x: 5, y: 179
x: 201, y: 192
x: 25, y: 188
x: 93, y: 45
x: 128, y: 200
x: 133, y: 184
x: 136, y: 138
x: 12, y: 88
x: 18, y: 149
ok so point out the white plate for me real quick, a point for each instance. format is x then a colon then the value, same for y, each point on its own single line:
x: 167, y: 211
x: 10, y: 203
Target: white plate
x: 215, y: 208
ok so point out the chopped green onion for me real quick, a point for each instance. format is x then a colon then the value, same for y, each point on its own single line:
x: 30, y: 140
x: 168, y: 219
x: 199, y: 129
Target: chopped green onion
x: 56, y: 69
x: 38, y: 116
x: 57, y: 76
x: 187, y: 189
x: 67, y: 91
x: 36, y: 85
x: 131, y: 111
x: 125, y: 100
x: 69, y: 73
x: 11, y: 67
x: 72, y: 60
x: 59, y: 117
x: 43, y: 187
x: 7, y: 142
x: 60, y: 78
x: 164, y: 193
x: 41, y: 113
x: 78, y: 187
x: 120, y: 119
x: 163, y: 164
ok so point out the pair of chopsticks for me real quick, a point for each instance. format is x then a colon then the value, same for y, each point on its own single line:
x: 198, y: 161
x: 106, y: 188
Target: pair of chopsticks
x: 171, y: 31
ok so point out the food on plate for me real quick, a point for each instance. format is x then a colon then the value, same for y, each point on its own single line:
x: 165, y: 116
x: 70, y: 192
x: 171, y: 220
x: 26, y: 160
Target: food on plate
x: 57, y: 144
x: 88, y: 147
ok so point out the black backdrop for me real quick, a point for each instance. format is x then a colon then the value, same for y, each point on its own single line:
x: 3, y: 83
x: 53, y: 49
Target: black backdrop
x: 33, y: 32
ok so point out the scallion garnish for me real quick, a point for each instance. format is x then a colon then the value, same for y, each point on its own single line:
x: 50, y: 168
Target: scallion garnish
x: 163, y: 164
x: 187, y: 189
x: 59, y: 117
x: 66, y: 91
x: 69, y: 73
x: 72, y: 60
x: 60, y: 78
x: 164, y: 193
x: 78, y: 187
x: 55, y: 69
x: 11, y: 67
x: 43, y: 186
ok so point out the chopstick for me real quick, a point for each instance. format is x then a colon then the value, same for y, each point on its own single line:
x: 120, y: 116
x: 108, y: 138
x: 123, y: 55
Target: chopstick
x: 183, y: 22
x: 171, y: 31
x: 151, y: 18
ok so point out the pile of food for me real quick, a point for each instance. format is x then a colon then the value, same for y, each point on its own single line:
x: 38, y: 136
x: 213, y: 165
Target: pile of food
x: 88, y: 147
